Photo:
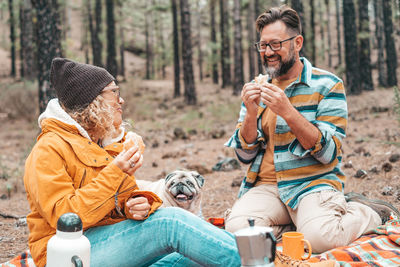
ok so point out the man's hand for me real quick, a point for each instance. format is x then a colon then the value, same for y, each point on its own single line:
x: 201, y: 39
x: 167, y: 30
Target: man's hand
x: 276, y: 99
x: 139, y: 207
x: 250, y: 95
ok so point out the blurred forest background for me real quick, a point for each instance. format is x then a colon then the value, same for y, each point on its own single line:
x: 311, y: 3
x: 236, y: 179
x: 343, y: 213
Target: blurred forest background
x: 200, y: 39
x: 181, y: 65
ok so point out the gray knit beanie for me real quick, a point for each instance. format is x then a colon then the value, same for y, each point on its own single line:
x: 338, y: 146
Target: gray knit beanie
x: 77, y: 84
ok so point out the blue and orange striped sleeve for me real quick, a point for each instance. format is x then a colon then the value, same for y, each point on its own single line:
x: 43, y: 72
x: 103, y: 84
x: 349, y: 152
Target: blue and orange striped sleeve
x: 331, y: 121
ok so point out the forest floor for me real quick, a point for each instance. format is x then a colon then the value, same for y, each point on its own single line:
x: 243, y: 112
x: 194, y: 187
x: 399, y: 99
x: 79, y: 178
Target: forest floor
x: 373, y: 138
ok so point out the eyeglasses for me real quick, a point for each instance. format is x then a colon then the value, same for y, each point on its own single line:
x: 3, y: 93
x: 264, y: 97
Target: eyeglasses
x: 274, y: 45
x: 115, y: 90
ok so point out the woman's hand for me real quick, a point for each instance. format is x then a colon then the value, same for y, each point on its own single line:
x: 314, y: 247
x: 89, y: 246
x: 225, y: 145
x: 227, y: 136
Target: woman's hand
x: 139, y: 207
x: 129, y: 161
x: 132, y: 139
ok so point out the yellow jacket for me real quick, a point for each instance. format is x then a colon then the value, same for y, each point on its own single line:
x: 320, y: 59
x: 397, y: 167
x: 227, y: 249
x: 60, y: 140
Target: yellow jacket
x: 66, y: 172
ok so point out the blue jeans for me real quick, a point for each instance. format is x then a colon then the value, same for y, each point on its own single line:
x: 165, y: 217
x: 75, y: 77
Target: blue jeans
x: 169, y: 237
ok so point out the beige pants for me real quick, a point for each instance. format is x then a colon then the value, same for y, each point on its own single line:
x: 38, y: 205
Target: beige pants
x: 325, y: 218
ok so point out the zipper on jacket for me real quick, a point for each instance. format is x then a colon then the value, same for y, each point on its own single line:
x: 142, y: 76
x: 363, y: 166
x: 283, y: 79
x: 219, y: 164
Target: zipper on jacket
x: 83, y: 179
x: 117, y: 207
x: 116, y: 196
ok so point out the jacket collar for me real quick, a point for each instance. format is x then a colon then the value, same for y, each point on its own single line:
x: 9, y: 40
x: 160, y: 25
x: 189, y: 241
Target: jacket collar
x: 55, y: 111
x: 88, y: 152
x: 306, y: 73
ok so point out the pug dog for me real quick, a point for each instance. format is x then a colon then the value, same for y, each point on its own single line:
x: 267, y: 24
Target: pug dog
x: 179, y: 188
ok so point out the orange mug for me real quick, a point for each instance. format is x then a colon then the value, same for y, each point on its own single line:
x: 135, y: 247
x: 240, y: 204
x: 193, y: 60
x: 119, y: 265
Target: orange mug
x: 293, y: 245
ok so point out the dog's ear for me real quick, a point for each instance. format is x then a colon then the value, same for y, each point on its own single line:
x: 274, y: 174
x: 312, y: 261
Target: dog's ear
x: 169, y: 176
x: 199, y: 178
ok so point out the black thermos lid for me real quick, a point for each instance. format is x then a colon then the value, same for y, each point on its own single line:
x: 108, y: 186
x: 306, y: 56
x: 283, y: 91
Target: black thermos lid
x: 69, y: 222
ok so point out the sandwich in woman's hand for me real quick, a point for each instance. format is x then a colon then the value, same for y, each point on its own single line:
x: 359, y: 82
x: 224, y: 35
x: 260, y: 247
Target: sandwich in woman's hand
x: 133, y: 139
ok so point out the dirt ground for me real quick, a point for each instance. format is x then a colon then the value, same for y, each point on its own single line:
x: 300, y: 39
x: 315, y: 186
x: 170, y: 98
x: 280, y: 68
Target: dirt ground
x: 373, y: 137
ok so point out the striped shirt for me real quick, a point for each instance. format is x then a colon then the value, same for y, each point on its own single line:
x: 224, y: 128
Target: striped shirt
x: 319, y: 96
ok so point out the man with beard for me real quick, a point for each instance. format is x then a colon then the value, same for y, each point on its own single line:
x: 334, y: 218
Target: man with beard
x: 290, y: 130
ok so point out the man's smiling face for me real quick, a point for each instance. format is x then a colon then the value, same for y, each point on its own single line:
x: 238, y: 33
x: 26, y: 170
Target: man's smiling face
x: 277, y: 63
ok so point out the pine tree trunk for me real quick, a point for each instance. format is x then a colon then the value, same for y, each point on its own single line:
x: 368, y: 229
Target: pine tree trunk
x: 86, y: 31
x: 97, y: 44
x: 156, y: 29
x: 90, y: 25
x: 364, y: 49
x: 95, y: 29
x: 351, y: 52
x: 298, y: 6
x: 56, y: 29
x: 199, y: 51
x: 47, y: 50
x: 257, y: 12
x: 175, y: 34
x: 65, y: 22
x: 225, y: 44
x: 398, y: 18
x: 338, y: 33
x: 250, y: 37
x: 312, y: 36
x: 21, y: 39
x: 122, y: 40
x: 149, y: 46
x: 238, y: 79
x: 28, y: 68
x: 328, y: 26
x: 163, y: 49
x: 321, y: 29
x: 214, y: 56
x: 12, y: 37
x: 190, y: 90
x: 382, y: 80
x: 152, y: 45
x: 391, y: 57
x: 112, y: 65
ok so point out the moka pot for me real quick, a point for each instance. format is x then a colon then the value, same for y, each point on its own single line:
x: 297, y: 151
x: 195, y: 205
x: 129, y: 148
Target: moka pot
x: 256, y: 245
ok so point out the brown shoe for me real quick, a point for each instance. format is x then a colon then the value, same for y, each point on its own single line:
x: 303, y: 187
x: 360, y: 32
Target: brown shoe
x: 384, y: 209
x: 282, y: 260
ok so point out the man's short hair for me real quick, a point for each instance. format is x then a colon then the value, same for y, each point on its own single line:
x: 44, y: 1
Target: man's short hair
x: 283, y: 13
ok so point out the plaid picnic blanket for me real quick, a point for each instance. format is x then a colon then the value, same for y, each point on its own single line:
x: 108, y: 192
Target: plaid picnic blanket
x: 381, y: 248
x: 22, y: 260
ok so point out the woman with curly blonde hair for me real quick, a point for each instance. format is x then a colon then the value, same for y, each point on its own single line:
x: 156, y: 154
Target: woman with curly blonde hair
x: 96, y: 119
x: 79, y: 165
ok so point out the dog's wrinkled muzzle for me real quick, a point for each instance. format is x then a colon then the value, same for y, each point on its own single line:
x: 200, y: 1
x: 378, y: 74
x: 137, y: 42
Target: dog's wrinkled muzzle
x: 182, y: 192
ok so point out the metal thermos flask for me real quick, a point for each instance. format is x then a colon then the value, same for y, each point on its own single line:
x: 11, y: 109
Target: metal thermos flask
x: 69, y: 247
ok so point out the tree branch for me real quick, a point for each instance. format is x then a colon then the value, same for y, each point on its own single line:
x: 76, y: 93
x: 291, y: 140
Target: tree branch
x: 11, y: 216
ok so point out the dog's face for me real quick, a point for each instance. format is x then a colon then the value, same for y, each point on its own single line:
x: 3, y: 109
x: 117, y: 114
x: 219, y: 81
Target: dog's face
x: 184, y: 187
